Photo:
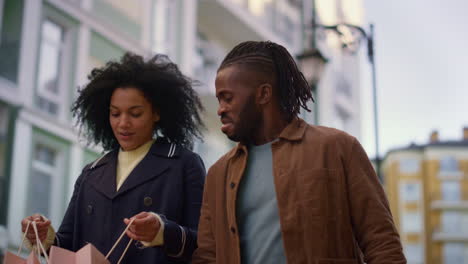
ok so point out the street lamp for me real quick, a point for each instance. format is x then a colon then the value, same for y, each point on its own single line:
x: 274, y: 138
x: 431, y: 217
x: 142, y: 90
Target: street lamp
x: 312, y: 62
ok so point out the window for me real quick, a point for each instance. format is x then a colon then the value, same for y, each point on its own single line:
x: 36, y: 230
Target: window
x: 450, y: 191
x: 42, y: 173
x: 54, y: 79
x: 46, y: 194
x: 409, y: 165
x: 414, y: 253
x: 411, y: 222
x: 451, y: 222
x: 50, y: 60
x: 453, y: 253
x: 448, y: 164
x: 10, y: 38
x: 410, y: 192
x: 4, y: 126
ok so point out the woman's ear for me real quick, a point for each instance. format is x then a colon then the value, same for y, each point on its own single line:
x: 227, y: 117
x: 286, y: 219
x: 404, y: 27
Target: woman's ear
x: 156, y: 116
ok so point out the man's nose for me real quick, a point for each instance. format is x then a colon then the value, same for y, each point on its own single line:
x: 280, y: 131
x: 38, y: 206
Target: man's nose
x: 221, y: 109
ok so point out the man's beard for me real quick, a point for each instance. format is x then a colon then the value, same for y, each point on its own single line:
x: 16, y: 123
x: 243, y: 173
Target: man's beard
x: 248, y: 122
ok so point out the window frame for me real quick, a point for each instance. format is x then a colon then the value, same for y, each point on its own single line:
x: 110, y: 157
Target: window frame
x: 65, y: 74
x: 57, y: 172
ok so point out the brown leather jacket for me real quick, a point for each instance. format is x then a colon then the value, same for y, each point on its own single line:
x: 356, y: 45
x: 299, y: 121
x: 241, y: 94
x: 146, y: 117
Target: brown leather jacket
x: 332, y: 207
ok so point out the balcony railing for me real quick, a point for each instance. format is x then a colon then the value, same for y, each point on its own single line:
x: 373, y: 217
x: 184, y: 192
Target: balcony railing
x: 456, y: 205
x: 450, y: 237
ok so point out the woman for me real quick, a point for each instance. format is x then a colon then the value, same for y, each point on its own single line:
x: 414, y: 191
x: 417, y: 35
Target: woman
x: 146, y: 114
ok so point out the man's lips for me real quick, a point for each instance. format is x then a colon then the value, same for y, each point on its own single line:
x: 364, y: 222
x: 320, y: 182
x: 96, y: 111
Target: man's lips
x: 226, y: 127
x: 226, y: 124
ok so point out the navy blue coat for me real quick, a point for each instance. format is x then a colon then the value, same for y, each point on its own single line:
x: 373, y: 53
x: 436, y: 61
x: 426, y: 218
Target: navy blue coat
x: 168, y: 181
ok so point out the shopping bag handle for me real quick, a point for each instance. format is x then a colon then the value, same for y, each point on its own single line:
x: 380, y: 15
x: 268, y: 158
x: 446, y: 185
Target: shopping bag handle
x: 24, y: 238
x: 39, y: 243
x: 118, y: 240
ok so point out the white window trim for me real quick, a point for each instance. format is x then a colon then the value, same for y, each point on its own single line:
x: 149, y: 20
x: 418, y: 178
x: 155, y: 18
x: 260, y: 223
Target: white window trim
x: 57, y: 173
x: 62, y: 98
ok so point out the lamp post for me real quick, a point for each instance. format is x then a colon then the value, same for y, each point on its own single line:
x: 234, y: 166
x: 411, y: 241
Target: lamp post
x: 312, y: 62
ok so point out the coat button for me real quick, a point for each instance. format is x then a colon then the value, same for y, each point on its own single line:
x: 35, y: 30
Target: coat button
x: 148, y: 201
x: 232, y: 185
x: 89, y: 209
x: 233, y: 230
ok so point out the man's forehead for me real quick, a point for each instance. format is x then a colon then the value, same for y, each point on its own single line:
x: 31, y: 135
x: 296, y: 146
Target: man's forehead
x: 240, y: 73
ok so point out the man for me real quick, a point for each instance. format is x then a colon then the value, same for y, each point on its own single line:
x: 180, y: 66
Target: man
x: 288, y: 192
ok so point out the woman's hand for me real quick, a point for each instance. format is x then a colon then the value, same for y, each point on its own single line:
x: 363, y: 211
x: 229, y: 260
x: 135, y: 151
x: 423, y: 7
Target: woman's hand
x: 42, y: 225
x: 144, y: 228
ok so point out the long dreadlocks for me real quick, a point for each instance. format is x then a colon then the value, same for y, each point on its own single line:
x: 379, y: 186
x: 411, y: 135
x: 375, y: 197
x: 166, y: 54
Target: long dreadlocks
x: 274, y: 60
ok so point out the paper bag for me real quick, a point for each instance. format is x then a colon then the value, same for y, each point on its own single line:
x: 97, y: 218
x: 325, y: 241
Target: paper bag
x: 11, y: 258
x: 86, y: 255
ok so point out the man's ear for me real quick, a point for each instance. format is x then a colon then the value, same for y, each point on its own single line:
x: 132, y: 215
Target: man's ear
x: 264, y: 93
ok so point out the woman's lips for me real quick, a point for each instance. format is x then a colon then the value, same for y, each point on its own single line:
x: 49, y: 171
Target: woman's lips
x: 125, y: 136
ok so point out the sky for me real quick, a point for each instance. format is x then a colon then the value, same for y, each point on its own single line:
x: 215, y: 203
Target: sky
x: 421, y: 50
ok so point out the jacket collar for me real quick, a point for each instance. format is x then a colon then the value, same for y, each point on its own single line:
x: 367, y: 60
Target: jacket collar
x: 294, y: 131
x: 105, y: 179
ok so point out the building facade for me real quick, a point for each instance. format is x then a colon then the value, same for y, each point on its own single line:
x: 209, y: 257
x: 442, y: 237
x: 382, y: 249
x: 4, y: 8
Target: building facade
x: 48, y: 47
x: 427, y: 186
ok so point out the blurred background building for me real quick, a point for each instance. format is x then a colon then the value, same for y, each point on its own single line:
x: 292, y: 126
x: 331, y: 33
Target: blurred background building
x: 427, y: 186
x: 48, y: 47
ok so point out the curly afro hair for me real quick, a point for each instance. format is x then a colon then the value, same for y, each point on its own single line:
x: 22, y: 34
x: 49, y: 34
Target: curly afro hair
x: 166, y: 88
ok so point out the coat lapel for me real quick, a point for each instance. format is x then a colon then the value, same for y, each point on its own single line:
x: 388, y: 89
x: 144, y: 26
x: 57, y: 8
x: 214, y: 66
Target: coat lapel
x: 103, y: 175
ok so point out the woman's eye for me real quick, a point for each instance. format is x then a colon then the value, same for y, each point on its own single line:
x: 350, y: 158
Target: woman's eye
x: 114, y: 114
x: 136, y: 115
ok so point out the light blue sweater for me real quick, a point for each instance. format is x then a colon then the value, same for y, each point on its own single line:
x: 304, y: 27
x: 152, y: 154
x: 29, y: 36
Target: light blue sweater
x: 257, y: 211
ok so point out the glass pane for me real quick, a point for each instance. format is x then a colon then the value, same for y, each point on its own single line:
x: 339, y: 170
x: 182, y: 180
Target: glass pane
x: 409, y: 166
x: 451, y: 191
x: 45, y: 154
x: 4, y: 116
x: 410, y: 192
x: 47, y: 105
x: 52, y: 32
x: 49, y: 58
x: 414, y: 253
x: 451, y: 222
x: 448, y: 164
x: 412, y: 222
x: 10, y: 38
x: 453, y: 253
x: 39, y: 194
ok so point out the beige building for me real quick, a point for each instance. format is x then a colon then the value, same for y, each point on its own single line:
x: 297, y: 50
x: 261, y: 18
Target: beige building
x: 427, y: 186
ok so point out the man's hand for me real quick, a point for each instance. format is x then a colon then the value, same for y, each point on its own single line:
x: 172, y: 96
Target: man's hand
x: 41, y: 224
x: 144, y: 228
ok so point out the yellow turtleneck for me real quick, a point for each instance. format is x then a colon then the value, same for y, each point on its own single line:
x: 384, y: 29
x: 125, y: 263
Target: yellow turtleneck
x: 128, y: 160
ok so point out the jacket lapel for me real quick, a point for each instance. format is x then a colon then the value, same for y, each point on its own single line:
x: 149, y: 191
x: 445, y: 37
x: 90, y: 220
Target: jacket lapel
x: 102, y: 178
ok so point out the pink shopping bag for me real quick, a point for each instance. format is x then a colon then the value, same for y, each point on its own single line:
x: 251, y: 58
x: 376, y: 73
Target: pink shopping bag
x: 86, y: 255
x: 11, y: 258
